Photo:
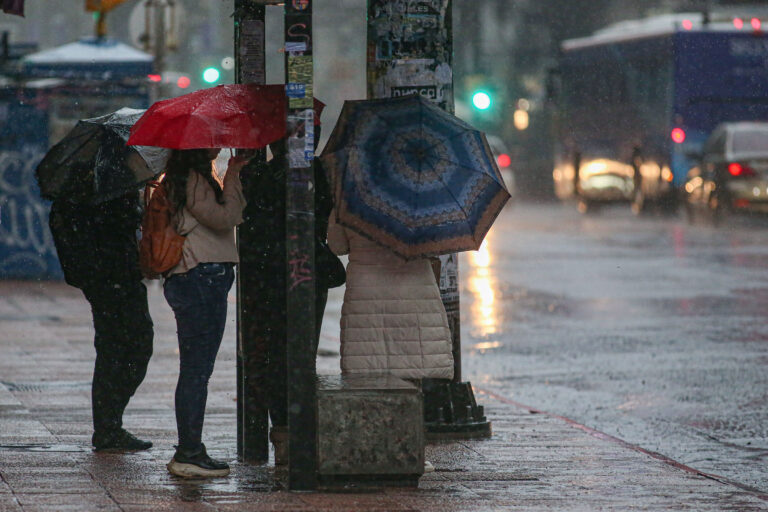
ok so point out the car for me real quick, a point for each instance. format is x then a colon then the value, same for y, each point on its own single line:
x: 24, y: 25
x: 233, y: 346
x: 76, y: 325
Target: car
x: 731, y: 174
x: 503, y: 161
x: 594, y: 181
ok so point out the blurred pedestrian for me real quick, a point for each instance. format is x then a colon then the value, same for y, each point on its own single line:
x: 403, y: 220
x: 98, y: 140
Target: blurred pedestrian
x: 98, y: 250
x: 206, y: 213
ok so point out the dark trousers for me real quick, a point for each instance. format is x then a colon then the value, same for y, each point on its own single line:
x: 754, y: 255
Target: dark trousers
x: 278, y: 361
x: 199, y: 302
x: 123, y: 344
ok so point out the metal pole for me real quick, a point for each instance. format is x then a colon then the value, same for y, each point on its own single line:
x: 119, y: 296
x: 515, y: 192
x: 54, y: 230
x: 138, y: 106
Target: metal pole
x: 410, y: 49
x: 159, y: 30
x: 300, y: 248
x: 254, y: 318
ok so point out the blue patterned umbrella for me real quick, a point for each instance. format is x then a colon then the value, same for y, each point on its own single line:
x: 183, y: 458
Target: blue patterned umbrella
x: 412, y: 177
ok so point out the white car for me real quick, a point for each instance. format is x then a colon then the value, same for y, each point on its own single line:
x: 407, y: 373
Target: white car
x: 732, y: 172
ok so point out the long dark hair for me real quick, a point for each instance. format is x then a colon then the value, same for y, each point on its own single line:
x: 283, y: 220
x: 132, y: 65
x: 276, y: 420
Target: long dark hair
x: 181, y: 163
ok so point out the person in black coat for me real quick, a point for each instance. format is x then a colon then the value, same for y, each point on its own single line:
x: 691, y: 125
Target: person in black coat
x: 266, y: 274
x: 98, y: 251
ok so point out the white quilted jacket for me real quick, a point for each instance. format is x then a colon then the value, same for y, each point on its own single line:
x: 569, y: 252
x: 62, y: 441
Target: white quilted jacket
x: 392, y: 319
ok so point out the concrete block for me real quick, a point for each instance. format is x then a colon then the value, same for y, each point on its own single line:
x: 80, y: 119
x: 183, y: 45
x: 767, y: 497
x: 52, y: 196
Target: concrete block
x: 370, y: 429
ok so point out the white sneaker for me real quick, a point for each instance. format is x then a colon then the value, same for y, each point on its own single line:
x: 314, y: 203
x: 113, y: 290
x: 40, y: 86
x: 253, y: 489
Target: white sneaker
x: 428, y: 467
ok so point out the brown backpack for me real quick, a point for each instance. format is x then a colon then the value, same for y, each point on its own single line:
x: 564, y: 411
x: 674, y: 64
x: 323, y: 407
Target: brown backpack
x: 160, y: 245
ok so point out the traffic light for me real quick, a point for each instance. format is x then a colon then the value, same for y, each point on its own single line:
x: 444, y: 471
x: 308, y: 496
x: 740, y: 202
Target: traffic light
x: 481, y: 100
x: 211, y: 75
x: 482, y: 94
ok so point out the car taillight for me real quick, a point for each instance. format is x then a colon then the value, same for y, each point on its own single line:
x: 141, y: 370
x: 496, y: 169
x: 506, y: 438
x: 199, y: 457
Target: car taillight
x: 504, y: 160
x: 737, y: 169
x: 741, y: 203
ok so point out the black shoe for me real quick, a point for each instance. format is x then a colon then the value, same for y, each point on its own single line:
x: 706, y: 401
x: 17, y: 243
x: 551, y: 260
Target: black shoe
x: 196, y: 464
x: 118, y: 441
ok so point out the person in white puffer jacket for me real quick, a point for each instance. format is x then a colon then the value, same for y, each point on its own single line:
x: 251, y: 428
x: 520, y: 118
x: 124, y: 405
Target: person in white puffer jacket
x: 392, y: 318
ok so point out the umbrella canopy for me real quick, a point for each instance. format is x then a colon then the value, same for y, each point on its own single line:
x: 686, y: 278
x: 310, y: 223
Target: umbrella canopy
x: 226, y: 116
x: 412, y: 177
x: 93, y: 163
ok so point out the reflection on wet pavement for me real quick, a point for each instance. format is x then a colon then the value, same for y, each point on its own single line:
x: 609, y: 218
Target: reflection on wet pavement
x: 485, y: 318
x: 645, y: 328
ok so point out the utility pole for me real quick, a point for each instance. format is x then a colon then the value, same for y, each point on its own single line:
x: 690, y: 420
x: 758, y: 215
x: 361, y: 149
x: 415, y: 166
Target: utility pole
x: 300, y: 247
x: 100, y: 8
x: 254, y: 317
x: 410, y: 50
x: 159, y: 36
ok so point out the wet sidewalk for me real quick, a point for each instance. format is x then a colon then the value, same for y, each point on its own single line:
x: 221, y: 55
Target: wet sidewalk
x: 534, y: 461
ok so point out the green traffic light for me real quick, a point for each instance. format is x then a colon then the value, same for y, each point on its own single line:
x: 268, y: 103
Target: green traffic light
x: 211, y: 75
x: 481, y: 100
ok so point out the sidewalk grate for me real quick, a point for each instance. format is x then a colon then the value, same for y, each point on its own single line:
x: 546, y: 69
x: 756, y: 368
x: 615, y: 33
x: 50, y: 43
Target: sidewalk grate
x: 54, y: 448
x: 40, y: 386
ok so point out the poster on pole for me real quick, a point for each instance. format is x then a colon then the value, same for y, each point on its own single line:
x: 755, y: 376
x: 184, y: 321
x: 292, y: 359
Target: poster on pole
x: 251, y: 52
x: 410, y: 50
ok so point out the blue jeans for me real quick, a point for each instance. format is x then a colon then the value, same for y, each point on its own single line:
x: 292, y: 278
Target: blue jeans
x: 199, y: 302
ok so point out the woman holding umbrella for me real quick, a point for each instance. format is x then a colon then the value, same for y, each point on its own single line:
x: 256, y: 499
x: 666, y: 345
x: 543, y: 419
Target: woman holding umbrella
x: 206, y: 213
x: 410, y: 182
x: 246, y: 116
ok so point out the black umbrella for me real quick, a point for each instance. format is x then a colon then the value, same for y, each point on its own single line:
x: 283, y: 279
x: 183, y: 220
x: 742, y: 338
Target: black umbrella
x: 92, y: 162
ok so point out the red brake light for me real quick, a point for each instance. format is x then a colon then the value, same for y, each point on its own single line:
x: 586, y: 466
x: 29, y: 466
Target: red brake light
x: 736, y: 169
x: 741, y: 203
x: 738, y: 23
x: 503, y: 160
x: 154, y: 78
x: 687, y: 24
x: 756, y: 23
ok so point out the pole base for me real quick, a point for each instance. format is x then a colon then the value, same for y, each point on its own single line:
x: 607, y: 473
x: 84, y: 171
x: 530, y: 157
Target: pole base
x: 451, y: 412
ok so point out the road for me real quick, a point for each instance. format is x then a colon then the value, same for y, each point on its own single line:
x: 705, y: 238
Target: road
x: 647, y: 329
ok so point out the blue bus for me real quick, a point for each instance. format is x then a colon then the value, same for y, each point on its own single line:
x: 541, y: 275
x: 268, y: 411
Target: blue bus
x: 636, y: 100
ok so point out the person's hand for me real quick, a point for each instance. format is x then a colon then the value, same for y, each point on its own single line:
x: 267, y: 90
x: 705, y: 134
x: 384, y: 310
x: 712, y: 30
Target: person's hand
x: 236, y: 163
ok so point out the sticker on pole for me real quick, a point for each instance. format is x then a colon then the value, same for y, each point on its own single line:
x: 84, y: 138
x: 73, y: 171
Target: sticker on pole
x: 300, y: 72
x: 294, y: 90
x: 293, y: 48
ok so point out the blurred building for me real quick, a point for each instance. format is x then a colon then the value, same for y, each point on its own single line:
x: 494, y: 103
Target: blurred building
x: 503, y: 47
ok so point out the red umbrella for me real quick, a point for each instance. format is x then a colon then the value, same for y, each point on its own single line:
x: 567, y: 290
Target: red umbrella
x: 227, y: 116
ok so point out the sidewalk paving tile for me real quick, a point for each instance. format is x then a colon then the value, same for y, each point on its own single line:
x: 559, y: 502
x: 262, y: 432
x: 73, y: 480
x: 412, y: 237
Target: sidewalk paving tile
x: 532, y: 461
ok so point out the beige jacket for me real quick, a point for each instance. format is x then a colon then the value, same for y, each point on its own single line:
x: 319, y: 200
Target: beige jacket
x: 392, y: 319
x: 208, y: 225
